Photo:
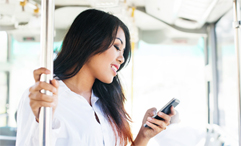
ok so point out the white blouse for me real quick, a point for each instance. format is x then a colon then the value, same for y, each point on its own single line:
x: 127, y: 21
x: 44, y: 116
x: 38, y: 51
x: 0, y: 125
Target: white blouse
x: 74, y: 122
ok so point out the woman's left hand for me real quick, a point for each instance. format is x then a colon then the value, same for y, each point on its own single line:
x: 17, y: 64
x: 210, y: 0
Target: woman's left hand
x: 156, y: 126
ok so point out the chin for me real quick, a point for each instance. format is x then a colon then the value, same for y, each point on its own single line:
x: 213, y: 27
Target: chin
x: 107, y: 80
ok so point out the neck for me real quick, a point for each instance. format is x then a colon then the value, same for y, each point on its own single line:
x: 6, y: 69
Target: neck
x: 81, y: 83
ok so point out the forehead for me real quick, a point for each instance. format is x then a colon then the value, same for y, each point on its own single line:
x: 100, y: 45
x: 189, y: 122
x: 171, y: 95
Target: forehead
x: 121, y: 36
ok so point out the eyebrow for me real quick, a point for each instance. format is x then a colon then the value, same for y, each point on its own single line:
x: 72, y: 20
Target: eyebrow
x: 120, y: 40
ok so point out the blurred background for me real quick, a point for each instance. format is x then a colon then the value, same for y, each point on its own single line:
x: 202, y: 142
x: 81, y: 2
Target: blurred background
x: 180, y: 48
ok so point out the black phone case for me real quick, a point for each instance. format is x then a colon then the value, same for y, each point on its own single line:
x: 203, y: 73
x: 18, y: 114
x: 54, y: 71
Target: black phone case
x: 166, y: 109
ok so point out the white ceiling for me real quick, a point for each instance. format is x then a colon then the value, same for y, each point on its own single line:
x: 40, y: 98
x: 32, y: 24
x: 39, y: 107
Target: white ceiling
x: 155, y: 14
x: 89, y: 2
x: 187, y: 14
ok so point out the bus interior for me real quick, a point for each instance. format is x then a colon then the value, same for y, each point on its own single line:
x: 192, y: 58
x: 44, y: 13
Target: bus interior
x: 180, y: 48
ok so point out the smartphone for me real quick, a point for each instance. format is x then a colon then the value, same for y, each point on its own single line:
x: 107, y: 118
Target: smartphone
x: 166, y: 109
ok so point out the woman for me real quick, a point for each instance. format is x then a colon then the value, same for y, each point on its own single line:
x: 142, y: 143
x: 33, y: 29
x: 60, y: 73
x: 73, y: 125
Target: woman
x: 88, y: 100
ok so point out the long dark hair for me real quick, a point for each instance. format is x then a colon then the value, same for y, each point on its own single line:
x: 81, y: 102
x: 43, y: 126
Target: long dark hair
x: 93, y: 32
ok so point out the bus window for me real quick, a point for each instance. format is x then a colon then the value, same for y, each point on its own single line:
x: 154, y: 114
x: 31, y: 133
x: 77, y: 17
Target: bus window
x: 4, y: 98
x: 4, y: 94
x: 227, y: 78
x: 25, y: 58
x: 3, y: 48
x: 163, y: 71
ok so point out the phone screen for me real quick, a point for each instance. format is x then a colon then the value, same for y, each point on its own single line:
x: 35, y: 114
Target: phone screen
x: 166, y: 109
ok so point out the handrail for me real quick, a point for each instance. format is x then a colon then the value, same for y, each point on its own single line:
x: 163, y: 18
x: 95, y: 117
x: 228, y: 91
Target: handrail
x: 236, y: 25
x: 47, y: 40
x: 4, y: 115
x: 3, y: 137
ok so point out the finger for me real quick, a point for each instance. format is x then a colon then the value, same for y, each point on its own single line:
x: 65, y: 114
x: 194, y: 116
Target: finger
x: 173, y: 112
x: 43, y: 85
x: 37, y: 104
x: 152, y: 111
x: 156, y: 128
x: 38, y: 86
x: 36, y: 112
x: 158, y: 122
x: 55, y: 83
x: 166, y: 117
x: 41, y: 97
x: 38, y: 72
x: 37, y: 115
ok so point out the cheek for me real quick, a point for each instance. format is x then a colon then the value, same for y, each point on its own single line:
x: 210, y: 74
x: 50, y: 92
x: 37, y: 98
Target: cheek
x: 104, y: 72
x: 101, y: 66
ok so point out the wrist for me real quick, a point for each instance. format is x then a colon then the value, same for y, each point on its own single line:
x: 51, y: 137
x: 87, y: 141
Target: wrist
x: 141, y: 139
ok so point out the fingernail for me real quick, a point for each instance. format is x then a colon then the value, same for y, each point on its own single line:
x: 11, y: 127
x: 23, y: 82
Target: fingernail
x: 160, y: 113
x: 47, y: 71
x: 149, y: 118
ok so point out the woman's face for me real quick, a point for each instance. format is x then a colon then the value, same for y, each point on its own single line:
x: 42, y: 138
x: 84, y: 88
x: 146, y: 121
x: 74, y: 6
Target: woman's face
x: 104, y: 66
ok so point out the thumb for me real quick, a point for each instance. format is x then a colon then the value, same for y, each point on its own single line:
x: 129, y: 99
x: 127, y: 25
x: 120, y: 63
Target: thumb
x: 55, y: 83
x: 149, y: 113
x: 152, y: 111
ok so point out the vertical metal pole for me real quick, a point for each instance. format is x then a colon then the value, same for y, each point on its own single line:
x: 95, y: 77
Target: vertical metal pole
x: 133, y: 41
x: 214, y: 70
x: 236, y: 23
x: 47, y: 39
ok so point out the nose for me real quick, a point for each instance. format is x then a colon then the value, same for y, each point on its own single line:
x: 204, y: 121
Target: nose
x: 121, y: 59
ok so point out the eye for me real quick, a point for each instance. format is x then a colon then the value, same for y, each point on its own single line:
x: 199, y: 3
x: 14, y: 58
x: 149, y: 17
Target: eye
x: 117, y: 48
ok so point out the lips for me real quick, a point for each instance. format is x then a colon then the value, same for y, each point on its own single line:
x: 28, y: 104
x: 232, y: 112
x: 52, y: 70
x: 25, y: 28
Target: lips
x: 114, y: 67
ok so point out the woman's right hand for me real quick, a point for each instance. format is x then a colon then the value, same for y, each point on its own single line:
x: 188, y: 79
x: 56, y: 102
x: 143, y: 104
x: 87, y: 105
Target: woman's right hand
x: 38, y: 99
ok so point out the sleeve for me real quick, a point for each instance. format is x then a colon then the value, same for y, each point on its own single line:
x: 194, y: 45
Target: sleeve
x: 28, y: 128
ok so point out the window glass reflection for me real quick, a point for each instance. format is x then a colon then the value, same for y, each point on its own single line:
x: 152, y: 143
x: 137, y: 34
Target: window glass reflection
x: 3, y: 98
x: 164, y: 71
x: 3, y: 46
x: 227, y: 78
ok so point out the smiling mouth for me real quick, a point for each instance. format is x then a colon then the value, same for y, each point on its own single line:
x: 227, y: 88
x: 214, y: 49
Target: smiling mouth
x: 114, y: 68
